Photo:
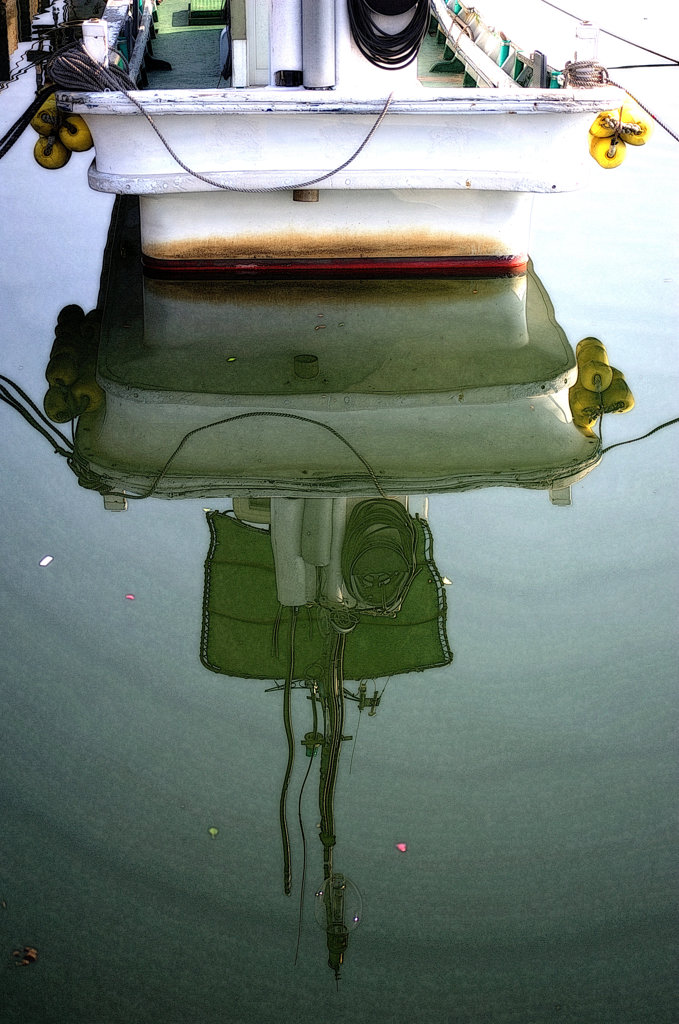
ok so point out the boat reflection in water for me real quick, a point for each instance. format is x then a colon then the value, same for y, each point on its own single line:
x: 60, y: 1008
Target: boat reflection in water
x: 327, y: 410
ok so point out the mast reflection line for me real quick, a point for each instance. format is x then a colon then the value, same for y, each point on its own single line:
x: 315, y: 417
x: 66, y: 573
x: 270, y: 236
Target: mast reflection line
x: 287, y: 720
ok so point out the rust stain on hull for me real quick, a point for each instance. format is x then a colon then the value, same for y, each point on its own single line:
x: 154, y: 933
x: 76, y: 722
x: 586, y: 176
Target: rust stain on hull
x: 329, y: 245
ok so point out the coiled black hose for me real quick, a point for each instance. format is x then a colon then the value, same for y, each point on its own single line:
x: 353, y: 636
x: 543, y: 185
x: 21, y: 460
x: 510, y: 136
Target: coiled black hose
x: 381, y: 48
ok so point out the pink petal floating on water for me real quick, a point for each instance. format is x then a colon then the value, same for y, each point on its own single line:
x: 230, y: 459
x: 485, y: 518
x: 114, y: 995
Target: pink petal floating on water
x: 129, y: 597
x: 402, y: 847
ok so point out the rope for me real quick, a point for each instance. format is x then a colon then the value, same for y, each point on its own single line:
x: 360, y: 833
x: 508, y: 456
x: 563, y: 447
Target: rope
x: 33, y: 418
x: 588, y: 74
x: 631, y: 440
x: 622, y: 39
x: 250, y: 415
x: 73, y: 68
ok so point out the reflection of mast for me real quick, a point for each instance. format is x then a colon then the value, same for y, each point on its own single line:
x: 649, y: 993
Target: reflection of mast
x: 332, y: 699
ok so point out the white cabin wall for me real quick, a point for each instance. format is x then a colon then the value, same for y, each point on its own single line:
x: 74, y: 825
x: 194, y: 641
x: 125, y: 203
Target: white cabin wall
x: 257, y: 15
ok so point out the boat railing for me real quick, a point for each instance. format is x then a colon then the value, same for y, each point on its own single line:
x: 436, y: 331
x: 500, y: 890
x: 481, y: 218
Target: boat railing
x: 490, y: 59
x: 131, y: 25
x: 462, y: 38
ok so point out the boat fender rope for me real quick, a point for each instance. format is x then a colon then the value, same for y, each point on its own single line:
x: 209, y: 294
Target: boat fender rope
x: 588, y: 74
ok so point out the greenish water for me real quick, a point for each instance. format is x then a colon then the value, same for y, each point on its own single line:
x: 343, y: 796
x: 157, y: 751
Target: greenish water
x: 533, y: 780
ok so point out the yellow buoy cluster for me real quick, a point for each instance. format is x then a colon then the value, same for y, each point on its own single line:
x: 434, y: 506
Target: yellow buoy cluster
x: 59, y: 135
x: 71, y: 369
x: 600, y: 387
x: 614, y: 130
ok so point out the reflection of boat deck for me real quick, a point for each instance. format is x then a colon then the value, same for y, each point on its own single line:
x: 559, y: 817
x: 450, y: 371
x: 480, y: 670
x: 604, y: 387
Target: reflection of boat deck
x: 439, y: 384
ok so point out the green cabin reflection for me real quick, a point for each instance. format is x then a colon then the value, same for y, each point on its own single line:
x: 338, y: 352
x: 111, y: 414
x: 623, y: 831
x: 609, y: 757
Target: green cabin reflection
x: 330, y: 590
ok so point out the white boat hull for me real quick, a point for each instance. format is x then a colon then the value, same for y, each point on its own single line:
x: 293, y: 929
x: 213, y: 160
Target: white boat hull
x: 391, y: 228
x: 402, y: 171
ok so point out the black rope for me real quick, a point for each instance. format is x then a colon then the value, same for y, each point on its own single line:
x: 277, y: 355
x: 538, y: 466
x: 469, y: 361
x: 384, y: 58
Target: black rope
x: 628, y: 67
x: 34, y: 417
x: 72, y: 67
x: 384, y: 49
x: 14, y: 133
x: 631, y: 440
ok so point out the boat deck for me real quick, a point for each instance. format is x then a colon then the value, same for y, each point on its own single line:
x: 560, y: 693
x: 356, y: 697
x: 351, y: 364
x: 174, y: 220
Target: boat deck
x: 192, y: 50
x: 196, y: 64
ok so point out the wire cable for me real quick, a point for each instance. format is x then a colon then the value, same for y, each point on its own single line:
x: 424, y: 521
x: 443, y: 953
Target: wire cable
x: 672, y: 60
x: 73, y: 68
x: 250, y: 415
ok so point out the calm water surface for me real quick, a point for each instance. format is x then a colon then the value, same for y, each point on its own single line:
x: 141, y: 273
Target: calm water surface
x: 533, y: 780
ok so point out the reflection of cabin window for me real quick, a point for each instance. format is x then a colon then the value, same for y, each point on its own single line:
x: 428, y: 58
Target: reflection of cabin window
x: 252, y: 510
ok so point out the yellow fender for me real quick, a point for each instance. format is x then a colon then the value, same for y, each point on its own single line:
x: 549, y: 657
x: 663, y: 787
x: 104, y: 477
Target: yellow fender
x: 74, y: 134
x: 70, y: 316
x: 49, y: 152
x: 585, y: 406
x: 594, y: 370
x: 608, y: 152
x: 602, y: 127
x: 62, y: 368
x: 636, y: 127
x: 59, y: 404
x: 617, y: 397
x: 86, y: 392
x: 46, y: 119
x: 590, y: 348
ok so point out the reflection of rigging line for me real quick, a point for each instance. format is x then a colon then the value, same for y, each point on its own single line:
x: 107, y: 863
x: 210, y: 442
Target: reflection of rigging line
x: 353, y: 749
x: 631, y: 440
x: 333, y: 715
x: 287, y: 721
x: 249, y: 415
x: 30, y: 418
x: 301, y: 823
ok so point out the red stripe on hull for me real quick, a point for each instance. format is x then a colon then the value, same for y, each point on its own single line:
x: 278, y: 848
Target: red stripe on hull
x: 448, y: 266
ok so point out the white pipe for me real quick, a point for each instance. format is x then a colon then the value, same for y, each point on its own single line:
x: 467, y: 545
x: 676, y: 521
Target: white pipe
x: 285, y: 42
x: 318, y: 43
